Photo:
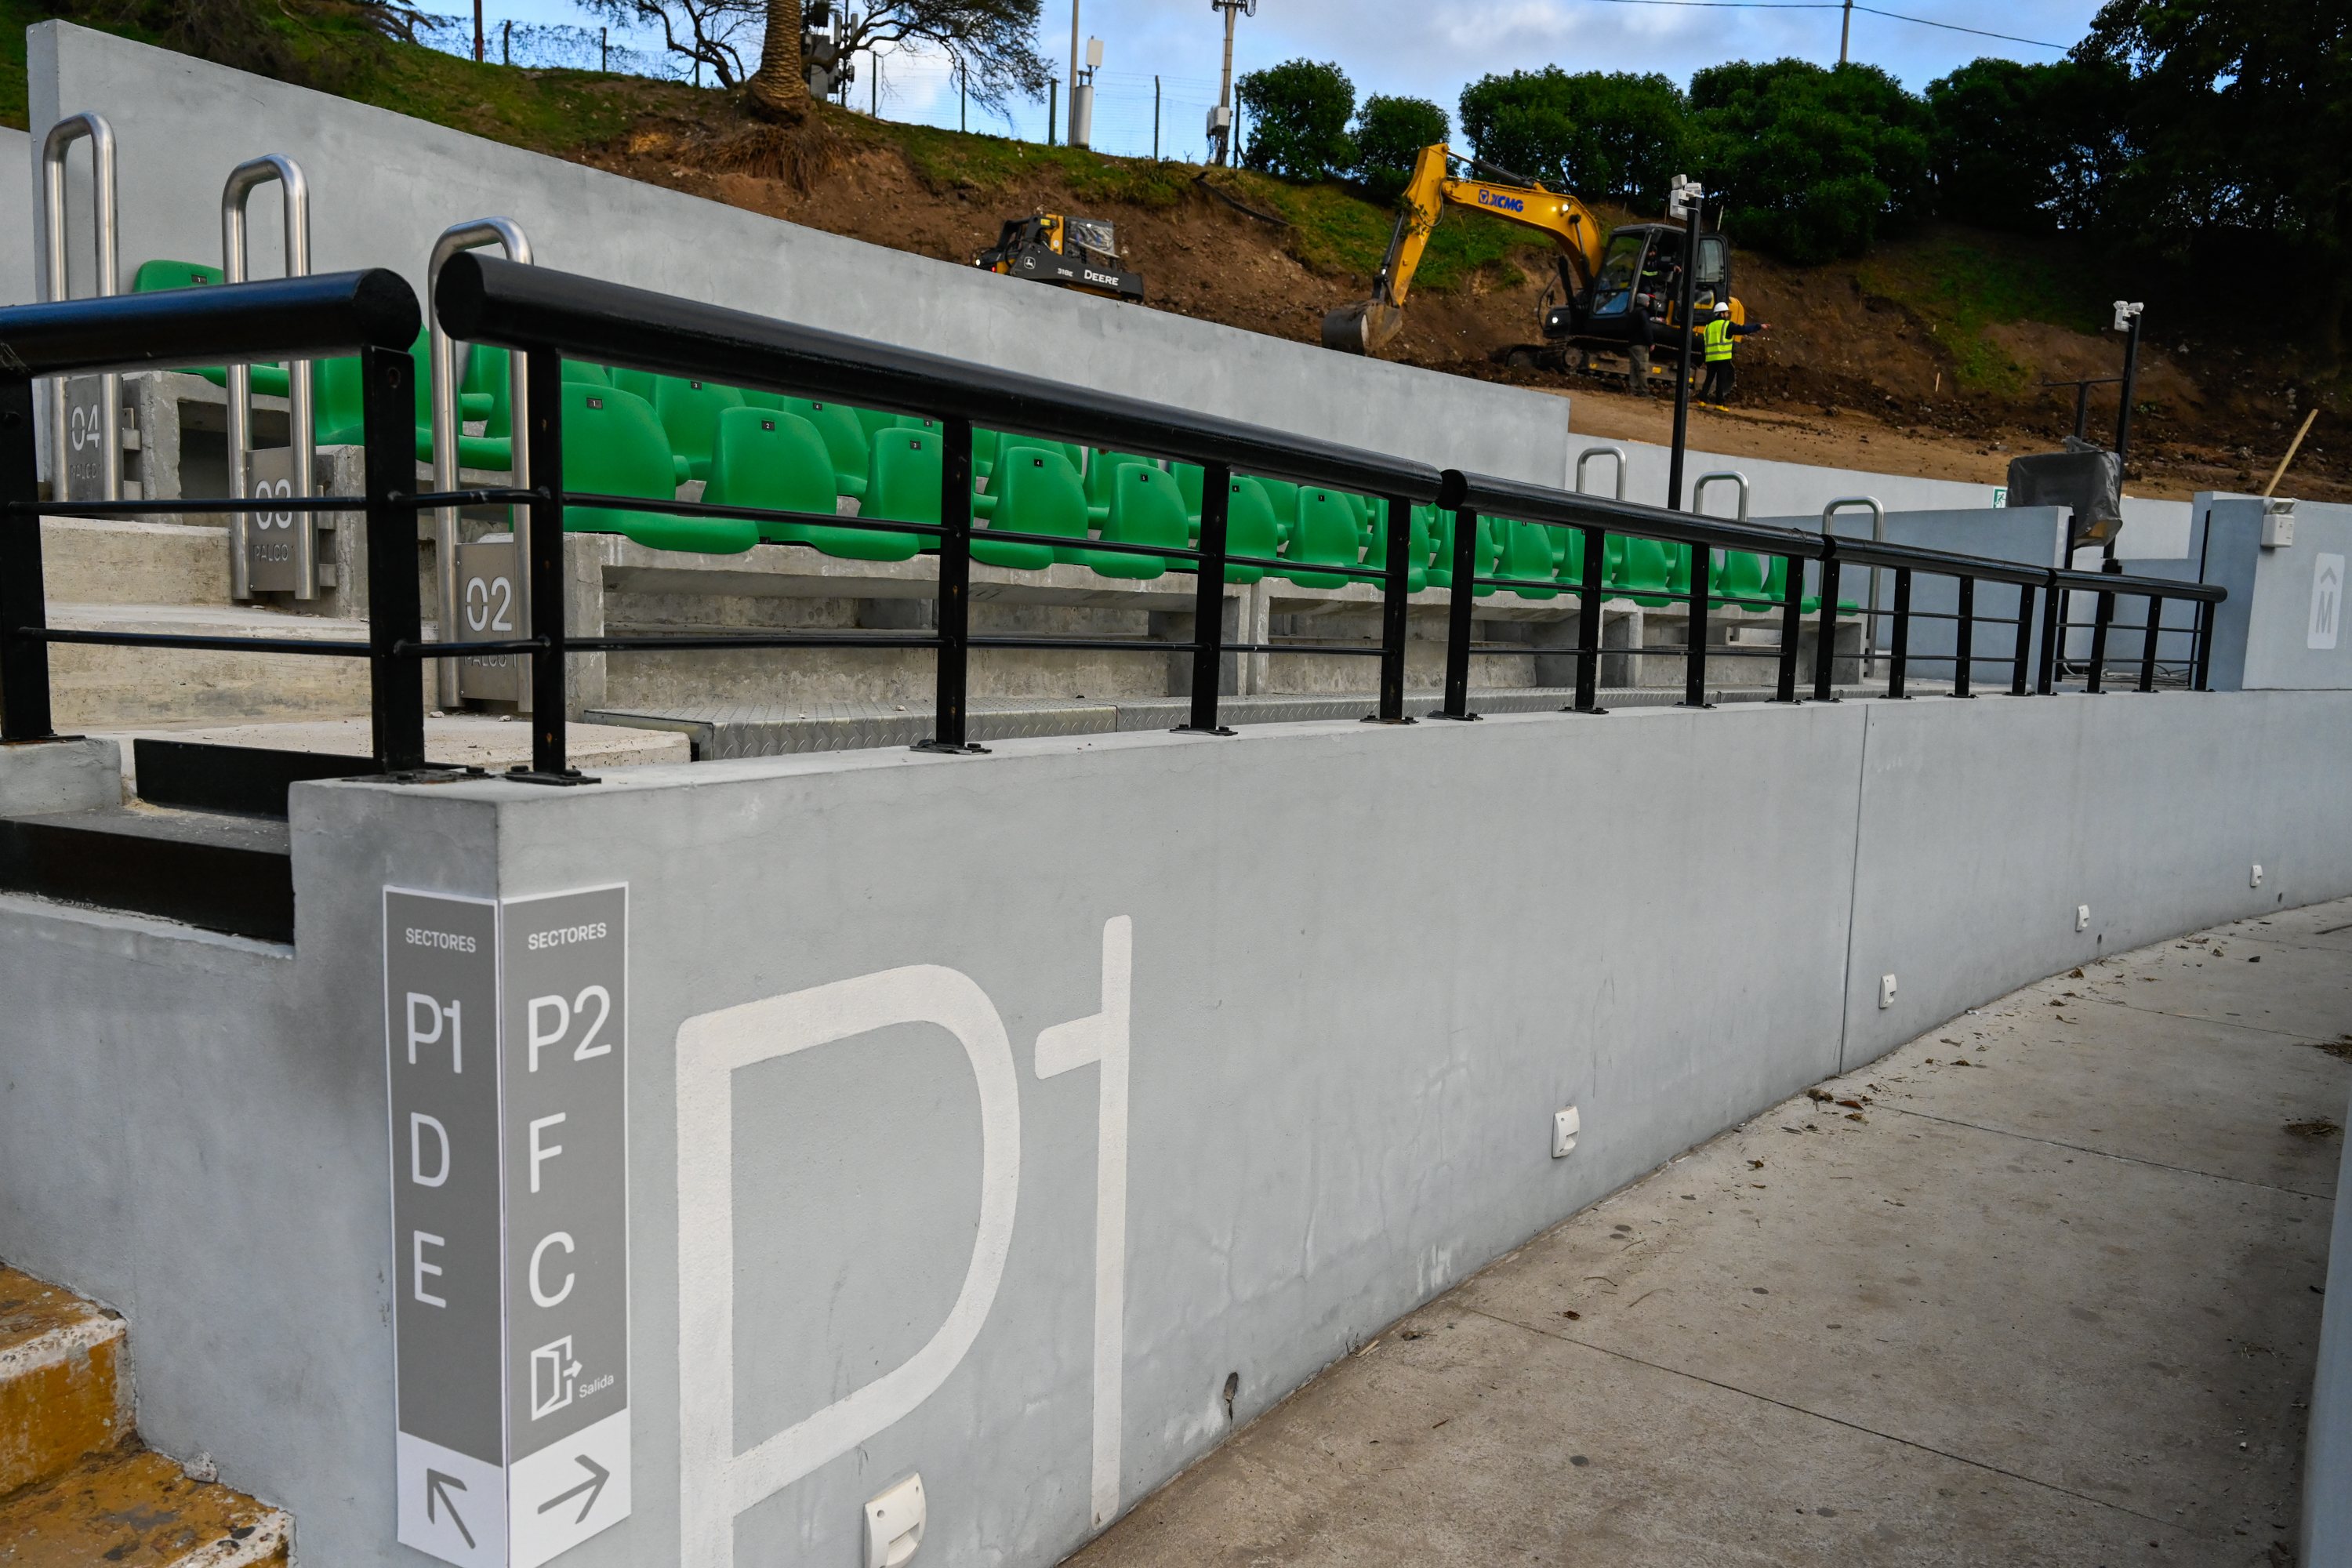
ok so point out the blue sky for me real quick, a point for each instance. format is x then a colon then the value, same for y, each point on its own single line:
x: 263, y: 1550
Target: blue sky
x: 1431, y: 50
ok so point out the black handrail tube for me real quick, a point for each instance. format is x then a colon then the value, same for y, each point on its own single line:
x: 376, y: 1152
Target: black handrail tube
x: 1209, y: 601
x: 24, y: 602
x: 226, y: 323
x: 312, y: 645
x: 542, y: 557
x: 396, y: 610
x: 1522, y: 502
x: 485, y: 298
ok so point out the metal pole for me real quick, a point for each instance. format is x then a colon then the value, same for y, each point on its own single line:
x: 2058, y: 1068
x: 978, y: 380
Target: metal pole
x: 1692, y: 217
x: 1155, y: 117
x: 1209, y: 603
x: 1898, y: 662
x: 1225, y: 86
x: 1792, y: 623
x: 1395, y: 612
x: 506, y: 43
x: 478, y: 32
x: 955, y: 590
x: 2148, y: 643
x: 1074, y: 58
x: 1053, y: 106
x: 1825, y: 645
x: 448, y: 430
x: 1459, y: 592
x: 1845, y: 32
x: 1702, y: 562
x: 301, y: 434
x: 396, y: 687
x: 545, y: 431
x: 2131, y: 376
x: 24, y: 605
x: 2023, y: 661
x: 1588, y: 614
x: 2100, y: 619
x: 2201, y: 643
x: 1964, y: 638
x: 105, y: 228
x: 2053, y: 624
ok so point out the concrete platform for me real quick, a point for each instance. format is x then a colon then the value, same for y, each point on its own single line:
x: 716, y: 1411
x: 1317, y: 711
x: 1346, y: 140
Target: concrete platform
x: 2058, y: 1305
x: 470, y: 739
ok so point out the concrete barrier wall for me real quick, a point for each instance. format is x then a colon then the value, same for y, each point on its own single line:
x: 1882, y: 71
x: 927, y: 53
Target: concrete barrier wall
x: 17, y: 238
x: 384, y: 187
x: 1368, y: 964
x: 2283, y: 624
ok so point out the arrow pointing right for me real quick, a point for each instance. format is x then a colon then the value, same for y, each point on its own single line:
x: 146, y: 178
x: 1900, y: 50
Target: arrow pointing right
x: 435, y: 1485
x: 593, y: 1486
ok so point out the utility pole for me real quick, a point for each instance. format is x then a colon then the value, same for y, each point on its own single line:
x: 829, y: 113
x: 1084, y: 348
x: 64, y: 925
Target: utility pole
x: 1845, y: 31
x: 478, y: 32
x: 1221, y: 119
x: 1074, y: 61
x: 1155, y: 117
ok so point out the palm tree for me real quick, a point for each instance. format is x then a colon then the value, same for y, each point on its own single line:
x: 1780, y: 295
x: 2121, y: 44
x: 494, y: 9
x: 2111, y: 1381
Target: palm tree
x: 778, y: 89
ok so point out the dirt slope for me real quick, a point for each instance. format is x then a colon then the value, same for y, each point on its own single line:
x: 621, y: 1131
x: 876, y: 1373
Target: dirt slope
x: 1927, y: 357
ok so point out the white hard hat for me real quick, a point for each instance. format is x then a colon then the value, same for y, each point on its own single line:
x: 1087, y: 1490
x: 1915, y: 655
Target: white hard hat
x: 1723, y: 310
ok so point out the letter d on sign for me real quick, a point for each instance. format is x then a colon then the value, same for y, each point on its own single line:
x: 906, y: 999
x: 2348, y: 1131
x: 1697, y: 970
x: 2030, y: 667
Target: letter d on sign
x: 417, y: 1122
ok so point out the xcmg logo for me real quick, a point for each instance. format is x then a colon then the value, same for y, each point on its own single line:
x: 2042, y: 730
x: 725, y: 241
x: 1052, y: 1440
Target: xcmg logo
x: 1508, y: 203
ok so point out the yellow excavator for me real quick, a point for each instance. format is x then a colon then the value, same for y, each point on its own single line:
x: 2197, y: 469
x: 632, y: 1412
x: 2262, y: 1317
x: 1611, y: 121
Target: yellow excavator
x: 1592, y: 301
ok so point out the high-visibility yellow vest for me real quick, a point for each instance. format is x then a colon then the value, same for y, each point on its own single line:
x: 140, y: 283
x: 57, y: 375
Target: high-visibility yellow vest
x: 1717, y: 337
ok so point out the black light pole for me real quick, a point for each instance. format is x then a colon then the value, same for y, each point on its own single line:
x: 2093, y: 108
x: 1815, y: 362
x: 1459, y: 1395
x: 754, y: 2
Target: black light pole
x: 2127, y: 322
x: 1688, y: 201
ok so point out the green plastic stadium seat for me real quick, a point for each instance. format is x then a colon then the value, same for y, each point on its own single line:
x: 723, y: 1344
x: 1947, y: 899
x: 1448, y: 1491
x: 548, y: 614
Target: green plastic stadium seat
x: 643, y: 383
x: 761, y: 399
x: 902, y: 485
x: 1776, y: 583
x: 585, y: 374
x: 1283, y: 496
x: 1643, y: 573
x: 339, y: 418
x: 486, y: 376
x: 612, y: 444
x: 1567, y: 550
x: 1416, y: 550
x: 845, y: 437
x: 1527, y: 558
x: 1326, y: 536
x: 1102, y: 478
x: 768, y: 459
x: 1146, y: 508
x: 1036, y: 490
x: 689, y: 411
x: 1483, y: 553
x: 1250, y: 528
x: 1189, y: 479
x: 1740, y: 574
x: 872, y: 420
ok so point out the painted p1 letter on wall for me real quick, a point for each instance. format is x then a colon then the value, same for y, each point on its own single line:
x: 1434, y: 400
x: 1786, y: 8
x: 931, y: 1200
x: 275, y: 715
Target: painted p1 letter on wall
x: 506, y: 1043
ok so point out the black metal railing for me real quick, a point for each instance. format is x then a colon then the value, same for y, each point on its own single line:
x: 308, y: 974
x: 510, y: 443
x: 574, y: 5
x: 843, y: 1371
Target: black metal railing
x: 551, y: 315
x: 2032, y: 658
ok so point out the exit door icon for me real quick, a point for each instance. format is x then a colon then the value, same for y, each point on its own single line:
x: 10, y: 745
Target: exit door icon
x: 553, y: 1375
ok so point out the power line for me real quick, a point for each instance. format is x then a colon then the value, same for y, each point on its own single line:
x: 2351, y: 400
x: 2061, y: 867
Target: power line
x: 1832, y: 6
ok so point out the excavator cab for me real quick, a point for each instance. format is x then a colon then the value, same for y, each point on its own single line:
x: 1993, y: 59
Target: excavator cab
x: 1643, y: 260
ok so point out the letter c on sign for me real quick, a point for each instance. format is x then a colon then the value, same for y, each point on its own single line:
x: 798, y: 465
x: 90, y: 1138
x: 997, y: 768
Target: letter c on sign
x: 538, y: 1293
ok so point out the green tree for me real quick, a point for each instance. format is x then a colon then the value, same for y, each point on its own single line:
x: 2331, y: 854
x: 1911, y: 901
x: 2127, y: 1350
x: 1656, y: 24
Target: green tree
x: 1389, y: 134
x: 2239, y: 123
x: 2028, y: 148
x: 1815, y: 163
x: 1298, y: 114
x: 1601, y: 134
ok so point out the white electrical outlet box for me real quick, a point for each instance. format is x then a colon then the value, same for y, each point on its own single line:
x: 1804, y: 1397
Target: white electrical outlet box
x: 2256, y: 880
x: 894, y: 1525
x: 2082, y: 917
x: 1565, y: 1126
x: 1887, y: 991
x: 2278, y: 524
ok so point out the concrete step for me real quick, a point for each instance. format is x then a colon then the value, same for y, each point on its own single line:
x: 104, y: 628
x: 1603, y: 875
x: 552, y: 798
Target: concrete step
x: 93, y: 560
x: 65, y: 1391
x: 95, y: 687
x: 134, y: 1507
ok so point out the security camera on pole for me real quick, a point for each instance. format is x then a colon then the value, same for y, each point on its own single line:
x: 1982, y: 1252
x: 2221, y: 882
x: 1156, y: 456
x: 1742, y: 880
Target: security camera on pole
x: 1221, y: 118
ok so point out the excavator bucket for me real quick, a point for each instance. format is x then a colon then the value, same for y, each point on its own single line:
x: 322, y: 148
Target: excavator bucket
x: 1360, y: 328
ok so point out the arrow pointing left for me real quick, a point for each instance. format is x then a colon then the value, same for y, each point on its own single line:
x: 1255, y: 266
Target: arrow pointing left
x: 593, y: 1486
x: 436, y: 1484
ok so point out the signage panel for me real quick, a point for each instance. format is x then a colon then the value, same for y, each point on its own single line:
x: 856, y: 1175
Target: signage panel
x: 271, y: 552
x: 507, y: 1049
x: 489, y: 609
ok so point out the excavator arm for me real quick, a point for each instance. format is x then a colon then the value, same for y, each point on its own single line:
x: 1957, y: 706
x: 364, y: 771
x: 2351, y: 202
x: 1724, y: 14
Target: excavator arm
x: 1363, y: 327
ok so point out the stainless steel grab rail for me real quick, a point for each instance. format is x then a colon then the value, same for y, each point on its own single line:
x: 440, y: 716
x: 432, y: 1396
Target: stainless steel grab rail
x: 302, y: 434
x: 57, y: 286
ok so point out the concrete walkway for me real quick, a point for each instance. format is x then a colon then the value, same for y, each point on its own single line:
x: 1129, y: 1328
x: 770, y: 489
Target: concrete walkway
x: 2057, y: 1305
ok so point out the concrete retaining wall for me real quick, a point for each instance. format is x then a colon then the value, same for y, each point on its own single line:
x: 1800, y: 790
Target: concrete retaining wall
x: 2328, y: 1458
x: 1368, y: 965
x: 384, y: 187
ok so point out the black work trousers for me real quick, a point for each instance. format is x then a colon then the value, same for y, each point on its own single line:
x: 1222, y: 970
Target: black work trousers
x: 1716, y: 388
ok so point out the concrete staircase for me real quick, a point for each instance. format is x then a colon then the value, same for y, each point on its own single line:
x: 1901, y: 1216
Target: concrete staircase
x: 76, y: 1486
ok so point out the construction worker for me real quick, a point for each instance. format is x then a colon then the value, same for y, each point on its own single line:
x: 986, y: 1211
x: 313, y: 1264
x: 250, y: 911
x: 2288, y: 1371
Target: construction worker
x: 1639, y: 335
x: 1717, y: 337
